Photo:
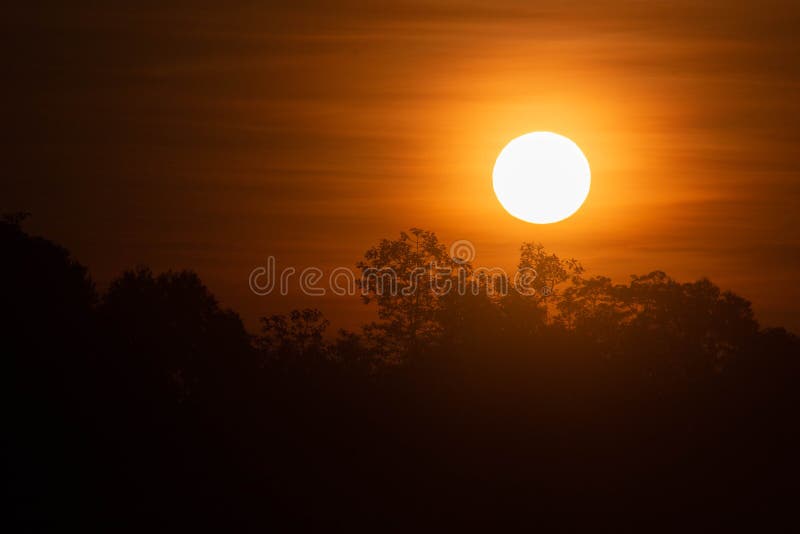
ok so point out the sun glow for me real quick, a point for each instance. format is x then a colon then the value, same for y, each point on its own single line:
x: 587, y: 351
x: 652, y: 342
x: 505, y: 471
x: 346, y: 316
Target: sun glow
x: 541, y: 177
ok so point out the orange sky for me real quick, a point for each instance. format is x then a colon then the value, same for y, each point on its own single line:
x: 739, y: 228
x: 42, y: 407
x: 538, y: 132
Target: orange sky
x: 211, y: 137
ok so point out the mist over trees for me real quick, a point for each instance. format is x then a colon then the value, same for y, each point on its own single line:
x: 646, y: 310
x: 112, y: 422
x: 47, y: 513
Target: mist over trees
x: 149, y: 404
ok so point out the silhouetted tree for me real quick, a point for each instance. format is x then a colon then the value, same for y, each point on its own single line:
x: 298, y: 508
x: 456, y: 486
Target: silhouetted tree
x: 182, y: 340
x: 49, y: 365
x: 294, y: 338
x: 549, y: 270
x: 406, y: 278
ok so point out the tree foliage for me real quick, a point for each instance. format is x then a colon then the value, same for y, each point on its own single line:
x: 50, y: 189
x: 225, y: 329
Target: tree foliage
x: 151, y: 392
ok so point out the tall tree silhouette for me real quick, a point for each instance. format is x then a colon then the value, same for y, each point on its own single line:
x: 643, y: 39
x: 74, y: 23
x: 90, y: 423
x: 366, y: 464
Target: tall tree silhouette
x: 406, y: 278
x: 549, y: 270
x: 47, y: 331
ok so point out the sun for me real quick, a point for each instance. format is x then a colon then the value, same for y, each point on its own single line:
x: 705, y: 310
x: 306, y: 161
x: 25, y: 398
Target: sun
x: 541, y: 177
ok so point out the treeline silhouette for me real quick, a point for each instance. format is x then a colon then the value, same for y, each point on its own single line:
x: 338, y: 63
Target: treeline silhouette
x: 149, y: 406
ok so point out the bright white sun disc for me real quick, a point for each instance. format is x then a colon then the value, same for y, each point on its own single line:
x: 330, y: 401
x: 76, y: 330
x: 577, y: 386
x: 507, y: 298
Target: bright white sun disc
x: 541, y: 177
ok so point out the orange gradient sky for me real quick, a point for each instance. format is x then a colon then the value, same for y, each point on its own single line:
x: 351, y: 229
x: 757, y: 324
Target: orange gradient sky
x: 210, y: 137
